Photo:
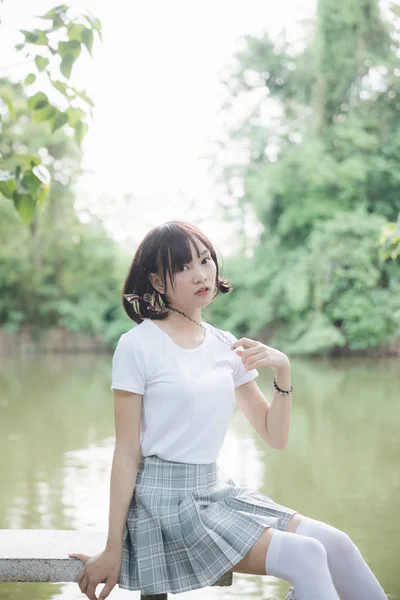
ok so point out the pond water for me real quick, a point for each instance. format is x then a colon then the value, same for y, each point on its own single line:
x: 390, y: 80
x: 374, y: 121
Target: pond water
x: 341, y: 465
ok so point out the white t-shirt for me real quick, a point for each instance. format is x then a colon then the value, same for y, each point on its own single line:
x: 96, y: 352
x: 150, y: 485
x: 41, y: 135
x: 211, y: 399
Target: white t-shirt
x: 188, y: 394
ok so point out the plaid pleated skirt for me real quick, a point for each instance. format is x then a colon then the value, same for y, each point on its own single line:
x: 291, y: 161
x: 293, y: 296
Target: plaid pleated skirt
x: 187, y: 525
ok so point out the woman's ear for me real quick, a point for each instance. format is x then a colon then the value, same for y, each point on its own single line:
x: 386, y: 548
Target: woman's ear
x: 155, y: 282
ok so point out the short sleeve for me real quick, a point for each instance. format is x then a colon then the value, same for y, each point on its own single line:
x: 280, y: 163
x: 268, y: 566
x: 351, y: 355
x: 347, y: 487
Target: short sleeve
x: 128, y: 367
x: 240, y: 376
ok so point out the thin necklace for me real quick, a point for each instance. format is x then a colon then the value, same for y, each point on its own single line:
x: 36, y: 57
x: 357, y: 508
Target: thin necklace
x: 217, y: 332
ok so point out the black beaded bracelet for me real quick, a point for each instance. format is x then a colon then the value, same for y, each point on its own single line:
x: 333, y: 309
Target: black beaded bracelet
x: 282, y: 391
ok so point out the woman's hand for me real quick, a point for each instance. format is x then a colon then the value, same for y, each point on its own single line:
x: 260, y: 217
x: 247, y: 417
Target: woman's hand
x: 260, y: 355
x: 104, y: 567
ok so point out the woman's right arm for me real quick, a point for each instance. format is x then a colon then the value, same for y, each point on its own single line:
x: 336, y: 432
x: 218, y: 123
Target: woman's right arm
x: 127, y: 453
x: 106, y: 566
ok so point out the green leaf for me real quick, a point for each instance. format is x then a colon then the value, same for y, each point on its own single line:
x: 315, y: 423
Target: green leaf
x: 58, y: 121
x: 41, y: 62
x: 60, y: 86
x: 19, y: 47
x: 75, y: 32
x: 10, y: 105
x: 38, y: 101
x: 57, y: 11
x: 66, y: 65
x: 58, y: 23
x: 37, y: 36
x: 83, y: 95
x: 7, y: 184
x: 44, y: 192
x: 21, y: 188
x: 25, y: 205
x: 44, y: 114
x: 72, y: 48
x: 31, y: 182
x: 29, y: 160
x: 87, y: 38
x: 96, y: 24
x: 30, y: 37
x: 81, y: 130
x: 74, y: 115
x: 29, y: 79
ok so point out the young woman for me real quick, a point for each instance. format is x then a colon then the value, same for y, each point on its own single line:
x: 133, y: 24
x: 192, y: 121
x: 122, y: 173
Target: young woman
x: 175, y: 523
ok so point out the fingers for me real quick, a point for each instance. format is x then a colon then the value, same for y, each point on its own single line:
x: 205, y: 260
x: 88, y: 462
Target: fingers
x: 80, y: 575
x: 79, y: 578
x: 83, y: 557
x: 253, y: 355
x: 244, y: 341
x: 106, y: 590
x: 88, y: 587
x: 88, y: 577
x: 83, y: 584
x: 91, y: 589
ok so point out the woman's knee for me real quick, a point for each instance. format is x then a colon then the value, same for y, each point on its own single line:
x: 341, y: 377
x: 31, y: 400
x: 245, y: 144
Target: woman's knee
x: 333, y: 538
x: 313, y: 553
x: 305, y: 553
x: 343, y: 542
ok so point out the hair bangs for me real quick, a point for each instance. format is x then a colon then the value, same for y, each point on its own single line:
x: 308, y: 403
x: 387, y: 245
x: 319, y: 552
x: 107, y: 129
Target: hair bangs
x: 176, y: 252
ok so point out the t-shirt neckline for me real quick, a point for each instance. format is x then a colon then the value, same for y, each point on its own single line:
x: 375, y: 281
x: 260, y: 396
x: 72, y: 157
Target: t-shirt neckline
x: 196, y: 349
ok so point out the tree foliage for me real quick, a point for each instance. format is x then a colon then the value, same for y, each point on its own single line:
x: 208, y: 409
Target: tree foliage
x: 58, y: 271
x: 321, y: 175
x: 52, y: 51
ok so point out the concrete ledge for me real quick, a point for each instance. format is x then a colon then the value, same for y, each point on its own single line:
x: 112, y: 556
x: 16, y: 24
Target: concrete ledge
x: 32, y: 555
x: 37, y: 555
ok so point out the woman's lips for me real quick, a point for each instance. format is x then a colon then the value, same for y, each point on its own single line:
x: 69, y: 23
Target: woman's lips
x: 203, y: 293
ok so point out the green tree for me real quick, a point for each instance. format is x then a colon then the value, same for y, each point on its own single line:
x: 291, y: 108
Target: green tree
x: 57, y: 271
x: 53, y: 51
x: 322, y: 178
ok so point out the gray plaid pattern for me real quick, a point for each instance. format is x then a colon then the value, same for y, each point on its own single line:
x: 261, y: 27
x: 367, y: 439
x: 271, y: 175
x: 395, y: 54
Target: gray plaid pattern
x: 187, y: 526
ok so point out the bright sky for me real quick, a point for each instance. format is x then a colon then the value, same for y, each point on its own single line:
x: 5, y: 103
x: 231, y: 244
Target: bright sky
x: 155, y: 83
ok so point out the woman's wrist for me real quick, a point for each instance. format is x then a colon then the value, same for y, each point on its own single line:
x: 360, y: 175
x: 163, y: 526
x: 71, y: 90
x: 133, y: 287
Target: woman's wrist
x: 282, y: 377
x: 114, y: 545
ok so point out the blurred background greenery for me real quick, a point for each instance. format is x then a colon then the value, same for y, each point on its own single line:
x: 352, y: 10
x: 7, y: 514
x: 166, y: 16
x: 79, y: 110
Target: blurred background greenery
x: 317, y: 165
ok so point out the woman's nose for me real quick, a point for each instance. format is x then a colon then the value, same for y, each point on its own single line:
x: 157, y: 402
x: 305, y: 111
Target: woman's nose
x: 200, y: 276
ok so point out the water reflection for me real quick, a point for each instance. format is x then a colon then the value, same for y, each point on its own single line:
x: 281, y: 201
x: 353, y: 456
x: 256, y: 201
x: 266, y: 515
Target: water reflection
x: 341, y: 464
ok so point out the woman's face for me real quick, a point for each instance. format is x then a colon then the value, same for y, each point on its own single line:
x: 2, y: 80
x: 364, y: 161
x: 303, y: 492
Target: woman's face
x: 190, y: 277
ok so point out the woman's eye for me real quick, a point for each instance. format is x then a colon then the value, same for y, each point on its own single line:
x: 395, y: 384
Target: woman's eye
x: 206, y: 258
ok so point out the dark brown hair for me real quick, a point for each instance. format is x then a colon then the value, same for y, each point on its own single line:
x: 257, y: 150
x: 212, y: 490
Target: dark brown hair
x: 163, y: 250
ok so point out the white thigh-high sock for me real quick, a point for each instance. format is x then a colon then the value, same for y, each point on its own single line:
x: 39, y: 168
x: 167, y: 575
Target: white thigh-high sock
x: 351, y: 575
x: 304, y: 565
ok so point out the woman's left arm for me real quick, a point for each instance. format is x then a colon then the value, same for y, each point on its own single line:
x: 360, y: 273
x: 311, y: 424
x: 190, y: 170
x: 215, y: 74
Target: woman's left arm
x: 278, y: 416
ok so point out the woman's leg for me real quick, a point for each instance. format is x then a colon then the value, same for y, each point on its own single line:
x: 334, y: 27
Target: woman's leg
x: 352, y: 577
x: 294, y: 558
x: 303, y: 562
